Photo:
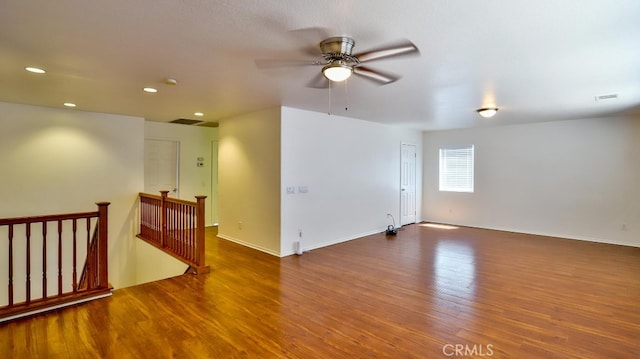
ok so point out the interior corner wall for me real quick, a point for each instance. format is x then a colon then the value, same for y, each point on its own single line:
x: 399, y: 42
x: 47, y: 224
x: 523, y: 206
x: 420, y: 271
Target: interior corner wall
x: 574, y: 179
x: 195, y: 141
x: 350, y: 170
x: 249, y: 180
x: 64, y: 161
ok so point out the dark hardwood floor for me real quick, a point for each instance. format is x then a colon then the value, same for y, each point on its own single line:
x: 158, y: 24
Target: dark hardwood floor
x: 427, y: 293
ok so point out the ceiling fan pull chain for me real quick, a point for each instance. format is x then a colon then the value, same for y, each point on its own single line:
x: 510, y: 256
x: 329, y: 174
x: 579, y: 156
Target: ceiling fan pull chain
x: 346, y: 99
x: 329, y: 98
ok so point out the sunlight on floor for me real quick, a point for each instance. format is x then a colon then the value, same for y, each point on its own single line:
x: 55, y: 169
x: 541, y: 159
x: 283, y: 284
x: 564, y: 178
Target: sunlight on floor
x: 436, y: 225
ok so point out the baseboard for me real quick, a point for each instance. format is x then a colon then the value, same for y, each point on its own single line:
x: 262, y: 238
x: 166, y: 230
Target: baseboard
x: 250, y: 245
x: 331, y: 243
x: 543, y: 234
x: 54, y: 307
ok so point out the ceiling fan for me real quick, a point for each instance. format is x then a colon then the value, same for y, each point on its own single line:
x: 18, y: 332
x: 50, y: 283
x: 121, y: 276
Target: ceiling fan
x: 338, y: 63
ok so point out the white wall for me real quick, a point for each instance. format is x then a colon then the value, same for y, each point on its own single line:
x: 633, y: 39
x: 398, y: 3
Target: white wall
x: 152, y: 264
x: 63, y: 161
x: 575, y: 179
x: 195, y: 141
x: 249, y: 180
x: 351, y: 169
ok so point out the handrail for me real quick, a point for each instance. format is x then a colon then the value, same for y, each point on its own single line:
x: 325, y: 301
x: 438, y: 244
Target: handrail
x: 28, y: 239
x: 175, y: 226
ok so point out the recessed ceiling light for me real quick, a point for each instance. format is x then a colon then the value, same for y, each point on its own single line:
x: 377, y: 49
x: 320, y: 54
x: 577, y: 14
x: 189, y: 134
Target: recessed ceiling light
x: 149, y: 89
x: 35, y: 70
x: 199, y: 114
x: 69, y: 104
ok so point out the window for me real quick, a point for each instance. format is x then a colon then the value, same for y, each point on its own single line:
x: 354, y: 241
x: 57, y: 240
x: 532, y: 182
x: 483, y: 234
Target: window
x: 456, y: 169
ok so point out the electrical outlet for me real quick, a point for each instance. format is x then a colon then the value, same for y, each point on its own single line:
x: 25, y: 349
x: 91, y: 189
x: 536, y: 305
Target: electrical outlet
x: 624, y: 227
x: 239, y: 225
x: 300, y: 233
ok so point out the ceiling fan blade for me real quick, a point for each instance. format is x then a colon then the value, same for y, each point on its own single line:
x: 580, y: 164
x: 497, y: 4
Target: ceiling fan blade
x: 318, y: 82
x: 405, y: 47
x: 278, y: 63
x: 376, y: 76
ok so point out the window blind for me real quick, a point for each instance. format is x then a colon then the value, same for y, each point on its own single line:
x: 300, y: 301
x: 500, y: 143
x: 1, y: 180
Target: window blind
x: 456, y: 169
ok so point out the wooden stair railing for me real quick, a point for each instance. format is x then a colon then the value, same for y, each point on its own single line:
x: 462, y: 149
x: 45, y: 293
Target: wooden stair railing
x: 176, y: 227
x: 29, y: 238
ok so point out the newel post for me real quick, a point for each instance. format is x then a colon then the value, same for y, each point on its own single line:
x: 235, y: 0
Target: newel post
x: 163, y: 218
x: 103, y: 244
x: 200, y: 230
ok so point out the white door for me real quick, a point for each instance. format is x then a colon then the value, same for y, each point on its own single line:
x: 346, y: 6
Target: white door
x: 408, y: 185
x: 161, y: 167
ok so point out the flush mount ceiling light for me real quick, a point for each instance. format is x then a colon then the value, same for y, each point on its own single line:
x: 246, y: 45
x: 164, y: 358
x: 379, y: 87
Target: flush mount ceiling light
x: 487, y: 112
x: 35, y: 70
x: 337, y: 71
x: 70, y: 104
x: 199, y: 114
x: 149, y: 89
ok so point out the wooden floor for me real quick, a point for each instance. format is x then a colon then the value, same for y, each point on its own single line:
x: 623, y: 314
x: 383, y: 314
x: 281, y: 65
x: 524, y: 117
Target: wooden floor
x: 427, y: 293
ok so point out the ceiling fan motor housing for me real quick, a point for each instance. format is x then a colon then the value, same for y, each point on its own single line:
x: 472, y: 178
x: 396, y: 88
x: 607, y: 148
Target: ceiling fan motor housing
x: 337, y: 45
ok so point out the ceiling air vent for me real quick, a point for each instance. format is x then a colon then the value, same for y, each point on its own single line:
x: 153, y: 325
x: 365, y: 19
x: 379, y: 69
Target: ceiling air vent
x: 208, y: 124
x: 611, y: 96
x: 186, y: 121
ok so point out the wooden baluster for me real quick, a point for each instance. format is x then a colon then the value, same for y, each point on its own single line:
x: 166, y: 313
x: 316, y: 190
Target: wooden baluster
x: 10, y: 264
x: 163, y: 218
x: 192, y: 234
x: 183, y: 215
x: 153, y: 219
x: 44, y: 260
x: 167, y: 224
x: 157, y: 208
x: 59, y: 257
x: 188, y: 245
x: 143, y: 216
x: 200, y: 230
x: 151, y: 216
x: 103, y: 229
x: 89, y: 262
x: 172, y: 228
x: 75, y: 255
x: 175, y: 227
x: 178, y: 230
x: 28, y: 263
x: 187, y: 229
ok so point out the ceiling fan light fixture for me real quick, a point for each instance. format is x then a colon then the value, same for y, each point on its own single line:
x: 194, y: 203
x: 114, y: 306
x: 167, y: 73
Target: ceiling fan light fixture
x: 487, y: 112
x: 337, y: 71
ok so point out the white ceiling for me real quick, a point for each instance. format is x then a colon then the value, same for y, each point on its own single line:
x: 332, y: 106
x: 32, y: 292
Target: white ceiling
x: 536, y: 60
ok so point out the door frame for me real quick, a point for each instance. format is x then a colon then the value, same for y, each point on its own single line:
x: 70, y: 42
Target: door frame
x: 415, y: 184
